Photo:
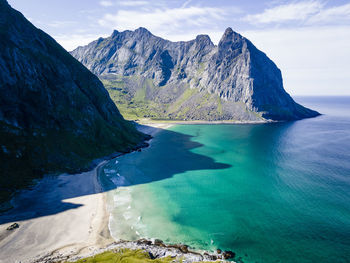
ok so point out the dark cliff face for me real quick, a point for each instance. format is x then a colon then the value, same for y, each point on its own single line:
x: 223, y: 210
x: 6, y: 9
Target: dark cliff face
x: 231, y: 81
x: 55, y: 115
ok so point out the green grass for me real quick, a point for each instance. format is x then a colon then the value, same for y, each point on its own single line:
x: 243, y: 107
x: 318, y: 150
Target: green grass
x: 133, y: 106
x: 219, y: 108
x: 201, y: 68
x: 140, y: 94
x: 183, y: 98
x: 125, y: 256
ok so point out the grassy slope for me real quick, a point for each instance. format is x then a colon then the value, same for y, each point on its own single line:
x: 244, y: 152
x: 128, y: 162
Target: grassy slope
x: 126, y: 256
x: 131, y: 106
x: 136, y: 106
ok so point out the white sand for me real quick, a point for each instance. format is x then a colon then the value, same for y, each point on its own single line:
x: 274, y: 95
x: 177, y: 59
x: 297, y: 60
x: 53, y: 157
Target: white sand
x: 65, y: 214
x: 153, y: 128
x: 74, y: 230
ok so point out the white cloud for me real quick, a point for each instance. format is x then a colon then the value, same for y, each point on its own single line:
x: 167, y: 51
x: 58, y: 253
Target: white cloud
x: 338, y: 14
x: 310, y: 46
x: 61, y: 24
x: 133, y: 3
x: 284, y: 13
x: 161, y: 20
x: 106, y: 3
x: 306, y: 13
x: 72, y: 41
x: 187, y: 2
x: 313, y: 60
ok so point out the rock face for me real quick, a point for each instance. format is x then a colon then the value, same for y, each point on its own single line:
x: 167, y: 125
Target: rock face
x: 55, y: 115
x: 190, y: 80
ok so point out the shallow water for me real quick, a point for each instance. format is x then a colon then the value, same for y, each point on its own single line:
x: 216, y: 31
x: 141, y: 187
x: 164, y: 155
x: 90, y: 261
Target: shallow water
x: 270, y: 192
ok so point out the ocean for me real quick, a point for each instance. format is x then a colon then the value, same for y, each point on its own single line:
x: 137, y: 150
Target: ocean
x: 277, y: 192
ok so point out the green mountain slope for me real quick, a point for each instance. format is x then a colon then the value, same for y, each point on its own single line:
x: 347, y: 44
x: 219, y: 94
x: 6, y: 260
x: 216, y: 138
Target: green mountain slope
x: 55, y: 115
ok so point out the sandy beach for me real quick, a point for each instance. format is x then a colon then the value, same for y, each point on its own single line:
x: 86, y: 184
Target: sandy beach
x: 63, y: 214
x: 164, y: 123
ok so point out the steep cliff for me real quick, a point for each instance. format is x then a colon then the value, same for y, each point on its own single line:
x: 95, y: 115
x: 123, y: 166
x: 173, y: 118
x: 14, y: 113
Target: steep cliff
x: 55, y: 115
x: 148, y: 76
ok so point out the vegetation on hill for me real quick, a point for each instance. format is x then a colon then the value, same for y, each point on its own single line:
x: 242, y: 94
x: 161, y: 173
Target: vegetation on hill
x: 55, y: 115
x: 190, y: 80
x: 124, y: 256
x: 127, y: 256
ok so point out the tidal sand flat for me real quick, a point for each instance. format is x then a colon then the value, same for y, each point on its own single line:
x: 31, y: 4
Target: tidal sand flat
x: 274, y: 192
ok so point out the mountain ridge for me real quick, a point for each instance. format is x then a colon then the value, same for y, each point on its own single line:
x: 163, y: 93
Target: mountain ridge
x: 192, y: 80
x: 55, y: 115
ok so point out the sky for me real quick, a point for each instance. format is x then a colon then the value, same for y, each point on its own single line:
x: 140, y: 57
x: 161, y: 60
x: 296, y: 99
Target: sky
x: 309, y: 40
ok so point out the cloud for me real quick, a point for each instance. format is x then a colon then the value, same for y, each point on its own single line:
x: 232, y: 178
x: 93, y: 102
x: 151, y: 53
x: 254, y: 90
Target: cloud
x: 311, y: 61
x: 161, y: 20
x: 72, y: 41
x: 106, y: 3
x: 133, y: 3
x: 338, y: 14
x: 284, y: 13
x: 310, y: 44
x: 61, y: 24
x: 305, y: 13
x: 187, y: 2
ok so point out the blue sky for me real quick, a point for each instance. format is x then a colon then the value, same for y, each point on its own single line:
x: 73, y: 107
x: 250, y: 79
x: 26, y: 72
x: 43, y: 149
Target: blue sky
x: 309, y: 40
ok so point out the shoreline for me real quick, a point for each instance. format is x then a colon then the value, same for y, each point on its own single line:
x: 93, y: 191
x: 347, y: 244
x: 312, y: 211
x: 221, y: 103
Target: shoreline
x: 150, y: 129
x: 80, y: 230
x: 67, y: 214
x: 151, y: 122
x: 155, y: 246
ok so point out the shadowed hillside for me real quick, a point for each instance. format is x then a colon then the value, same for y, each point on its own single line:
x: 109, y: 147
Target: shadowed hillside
x: 55, y: 115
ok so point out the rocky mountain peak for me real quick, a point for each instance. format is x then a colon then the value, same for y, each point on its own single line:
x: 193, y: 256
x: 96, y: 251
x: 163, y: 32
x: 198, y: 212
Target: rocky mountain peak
x: 115, y: 33
x: 230, y: 36
x: 228, y: 31
x: 142, y: 30
x: 205, y: 39
x: 194, y: 79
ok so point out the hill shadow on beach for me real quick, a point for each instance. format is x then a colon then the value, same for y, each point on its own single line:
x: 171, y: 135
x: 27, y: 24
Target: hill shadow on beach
x: 51, y: 194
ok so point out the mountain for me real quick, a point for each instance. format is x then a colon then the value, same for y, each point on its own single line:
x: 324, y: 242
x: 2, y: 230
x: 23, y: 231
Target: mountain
x: 148, y: 76
x: 55, y: 115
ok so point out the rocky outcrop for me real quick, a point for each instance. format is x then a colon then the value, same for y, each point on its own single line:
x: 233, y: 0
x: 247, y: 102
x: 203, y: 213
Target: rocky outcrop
x: 193, y: 80
x: 55, y: 115
x: 12, y: 227
x: 155, y: 251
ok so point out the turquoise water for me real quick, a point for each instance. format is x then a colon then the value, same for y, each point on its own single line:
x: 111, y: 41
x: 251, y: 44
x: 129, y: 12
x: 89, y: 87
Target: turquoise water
x: 270, y: 192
